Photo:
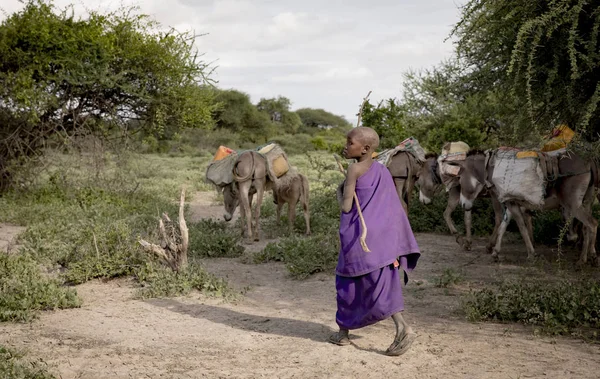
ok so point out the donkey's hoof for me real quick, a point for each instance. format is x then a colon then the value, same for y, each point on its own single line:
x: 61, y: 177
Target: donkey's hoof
x: 489, y: 249
x: 460, y: 240
x: 495, y: 256
x: 467, y: 245
x: 579, y: 264
x: 248, y: 241
x: 307, y: 234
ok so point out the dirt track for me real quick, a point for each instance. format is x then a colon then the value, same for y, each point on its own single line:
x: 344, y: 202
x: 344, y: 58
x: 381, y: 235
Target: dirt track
x: 280, y: 326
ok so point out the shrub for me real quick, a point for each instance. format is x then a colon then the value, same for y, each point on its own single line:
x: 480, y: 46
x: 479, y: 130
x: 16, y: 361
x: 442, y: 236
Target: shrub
x: 24, y: 290
x: 303, y: 256
x: 159, y: 281
x: 13, y: 366
x: 558, y: 307
x: 210, y: 238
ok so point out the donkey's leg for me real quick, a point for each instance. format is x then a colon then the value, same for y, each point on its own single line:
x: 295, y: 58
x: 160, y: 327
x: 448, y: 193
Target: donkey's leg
x: 291, y: 215
x: 400, y: 183
x: 497, y: 221
x: 453, y: 200
x: 590, y: 225
x: 529, y: 224
x: 501, y: 230
x: 245, y: 201
x: 468, y: 240
x: 305, y: 208
x: 260, y: 192
x: 279, y: 206
x: 410, y: 186
x: 518, y: 215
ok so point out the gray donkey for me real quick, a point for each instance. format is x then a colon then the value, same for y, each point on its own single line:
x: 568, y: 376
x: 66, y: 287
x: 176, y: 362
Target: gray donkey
x: 568, y: 190
x: 430, y: 183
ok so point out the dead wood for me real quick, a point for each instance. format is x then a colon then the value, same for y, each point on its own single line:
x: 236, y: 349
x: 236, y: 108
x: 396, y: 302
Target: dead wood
x: 174, y: 243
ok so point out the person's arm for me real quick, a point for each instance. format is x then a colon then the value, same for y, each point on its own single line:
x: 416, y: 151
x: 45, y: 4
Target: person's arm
x: 340, y: 193
x: 349, y: 187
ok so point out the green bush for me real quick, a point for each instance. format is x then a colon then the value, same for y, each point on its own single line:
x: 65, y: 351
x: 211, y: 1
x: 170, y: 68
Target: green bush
x: 430, y: 218
x: 24, y: 290
x: 558, y: 307
x: 159, y: 281
x: 303, y: 256
x: 90, y: 231
x: 294, y: 143
x: 13, y: 366
x: 210, y: 238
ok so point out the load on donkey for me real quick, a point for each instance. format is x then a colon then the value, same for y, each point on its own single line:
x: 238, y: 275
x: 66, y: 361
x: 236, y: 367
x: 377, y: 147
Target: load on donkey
x: 240, y: 176
x: 535, y: 180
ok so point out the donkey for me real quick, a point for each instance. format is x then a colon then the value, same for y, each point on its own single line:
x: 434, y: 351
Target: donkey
x: 404, y: 168
x: 568, y: 190
x: 430, y: 183
x: 250, y: 178
x: 292, y: 188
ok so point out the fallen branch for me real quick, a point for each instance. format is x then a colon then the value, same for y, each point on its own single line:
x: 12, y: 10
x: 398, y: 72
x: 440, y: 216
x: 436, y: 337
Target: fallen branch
x: 174, y: 245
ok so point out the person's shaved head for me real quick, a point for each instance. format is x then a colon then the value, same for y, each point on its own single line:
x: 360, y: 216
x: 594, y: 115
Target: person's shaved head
x: 366, y: 136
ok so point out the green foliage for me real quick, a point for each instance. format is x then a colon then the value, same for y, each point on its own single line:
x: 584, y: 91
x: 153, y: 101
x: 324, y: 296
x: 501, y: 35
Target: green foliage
x: 313, y: 119
x: 90, y: 231
x: 429, y: 218
x: 448, y: 278
x: 303, y: 256
x: 89, y: 225
x: 24, y: 290
x: 159, y: 281
x: 388, y: 121
x: 13, y: 366
x: 278, y: 110
x: 61, y: 76
x: 558, y: 307
x: 210, y: 238
x: 545, y: 53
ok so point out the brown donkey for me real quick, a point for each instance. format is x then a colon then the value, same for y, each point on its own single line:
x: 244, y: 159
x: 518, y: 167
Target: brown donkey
x: 404, y: 168
x: 250, y: 177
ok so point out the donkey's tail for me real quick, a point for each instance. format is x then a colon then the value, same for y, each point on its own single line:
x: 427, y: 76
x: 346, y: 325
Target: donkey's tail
x: 239, y: 178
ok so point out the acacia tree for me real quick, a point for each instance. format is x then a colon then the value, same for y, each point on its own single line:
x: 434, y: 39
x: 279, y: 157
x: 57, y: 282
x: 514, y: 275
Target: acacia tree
x: 62, y: 76
x: 545, y: 52
x: 279, y: 112
x: 387, y: 119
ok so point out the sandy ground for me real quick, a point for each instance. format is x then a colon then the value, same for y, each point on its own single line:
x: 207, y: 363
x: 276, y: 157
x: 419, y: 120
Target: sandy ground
x: 280, y: 327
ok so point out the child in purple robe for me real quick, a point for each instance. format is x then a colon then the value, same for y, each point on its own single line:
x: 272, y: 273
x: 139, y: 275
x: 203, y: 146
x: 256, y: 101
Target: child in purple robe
x: 368, y: 283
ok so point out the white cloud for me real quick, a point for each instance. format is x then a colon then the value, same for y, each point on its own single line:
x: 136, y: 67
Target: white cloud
x: 325, y: 54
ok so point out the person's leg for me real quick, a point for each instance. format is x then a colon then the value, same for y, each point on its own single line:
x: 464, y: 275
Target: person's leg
x: 404, y: 336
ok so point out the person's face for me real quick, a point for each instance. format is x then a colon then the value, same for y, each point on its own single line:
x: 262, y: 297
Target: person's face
x: 354, y: 148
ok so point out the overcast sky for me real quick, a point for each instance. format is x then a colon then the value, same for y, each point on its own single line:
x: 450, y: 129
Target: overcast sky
x: 318, y: 53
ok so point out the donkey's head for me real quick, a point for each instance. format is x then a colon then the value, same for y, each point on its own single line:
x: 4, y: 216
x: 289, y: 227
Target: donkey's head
x: 428, y: 180
x: 472, y: 178
x: 230, y: 200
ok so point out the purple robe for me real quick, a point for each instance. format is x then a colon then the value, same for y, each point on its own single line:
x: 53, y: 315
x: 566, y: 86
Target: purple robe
x: 368, y: 285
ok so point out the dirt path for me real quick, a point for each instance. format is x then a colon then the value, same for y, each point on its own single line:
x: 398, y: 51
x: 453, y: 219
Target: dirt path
x: 279, y: 329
